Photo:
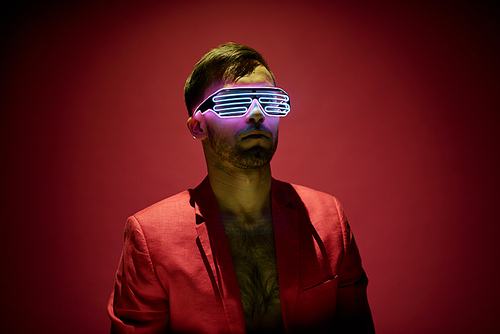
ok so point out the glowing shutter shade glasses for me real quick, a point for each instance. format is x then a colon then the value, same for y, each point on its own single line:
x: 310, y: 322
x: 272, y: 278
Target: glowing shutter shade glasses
x: 235, y: 101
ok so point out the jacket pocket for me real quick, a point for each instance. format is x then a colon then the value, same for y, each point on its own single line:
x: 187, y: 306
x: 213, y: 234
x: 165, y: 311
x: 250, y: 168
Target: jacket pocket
x: 320, y: 288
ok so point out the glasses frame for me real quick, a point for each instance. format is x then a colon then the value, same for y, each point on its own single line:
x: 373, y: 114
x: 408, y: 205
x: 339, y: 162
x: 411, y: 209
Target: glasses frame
x: 251, y: 93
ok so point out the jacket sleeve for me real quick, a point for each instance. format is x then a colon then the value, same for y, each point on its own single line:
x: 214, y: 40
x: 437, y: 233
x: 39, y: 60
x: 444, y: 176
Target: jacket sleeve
x: 352, y: 314
x: 139, y: 302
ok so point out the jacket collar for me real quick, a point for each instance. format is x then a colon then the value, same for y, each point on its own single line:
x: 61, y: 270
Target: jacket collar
x: 286, y: 235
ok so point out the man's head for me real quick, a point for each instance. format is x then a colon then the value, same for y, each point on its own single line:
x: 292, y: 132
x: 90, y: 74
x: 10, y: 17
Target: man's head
x: 220, y: 66
x: 249, y: 140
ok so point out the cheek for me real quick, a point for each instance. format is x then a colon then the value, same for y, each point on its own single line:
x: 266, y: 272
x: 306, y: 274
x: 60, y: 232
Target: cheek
x: 217, y: 122
x: 230, y: 124
x: 273, y: 123
x: 213, y: 123
x: 223, y: 129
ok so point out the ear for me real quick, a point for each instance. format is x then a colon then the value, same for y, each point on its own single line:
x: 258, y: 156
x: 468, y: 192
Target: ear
x: 196, y: 125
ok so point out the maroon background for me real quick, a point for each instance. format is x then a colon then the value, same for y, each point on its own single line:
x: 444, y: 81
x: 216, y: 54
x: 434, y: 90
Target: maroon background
x: 395, y: 111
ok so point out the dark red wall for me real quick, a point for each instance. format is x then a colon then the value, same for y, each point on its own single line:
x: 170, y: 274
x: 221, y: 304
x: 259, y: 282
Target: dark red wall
x: 395, y: 111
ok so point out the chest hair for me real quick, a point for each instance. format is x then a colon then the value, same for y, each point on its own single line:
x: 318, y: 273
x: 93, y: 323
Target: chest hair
x: 254, y: 258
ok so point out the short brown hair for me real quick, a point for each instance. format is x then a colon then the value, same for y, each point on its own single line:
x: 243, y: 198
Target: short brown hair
x: 223, y: 64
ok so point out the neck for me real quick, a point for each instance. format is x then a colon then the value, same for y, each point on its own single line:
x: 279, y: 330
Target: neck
x: 241, y: 192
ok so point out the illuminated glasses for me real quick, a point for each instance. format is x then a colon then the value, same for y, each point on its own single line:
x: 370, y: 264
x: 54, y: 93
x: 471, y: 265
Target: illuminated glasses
x: 233, y: 102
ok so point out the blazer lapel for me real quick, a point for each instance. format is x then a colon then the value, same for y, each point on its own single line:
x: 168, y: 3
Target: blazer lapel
x: 216, y: 254
x: 286, y: 234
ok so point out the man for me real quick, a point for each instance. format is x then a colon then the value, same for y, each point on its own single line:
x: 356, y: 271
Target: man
x: 242, y: 252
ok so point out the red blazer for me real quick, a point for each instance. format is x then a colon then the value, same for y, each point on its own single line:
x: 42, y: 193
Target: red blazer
x: 176, y: 273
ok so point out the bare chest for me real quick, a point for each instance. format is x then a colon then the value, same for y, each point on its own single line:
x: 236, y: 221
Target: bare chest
x: 254, y: 258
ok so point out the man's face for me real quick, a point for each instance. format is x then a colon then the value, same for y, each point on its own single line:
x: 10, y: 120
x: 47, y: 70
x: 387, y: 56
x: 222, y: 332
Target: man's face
x: 247, y: 141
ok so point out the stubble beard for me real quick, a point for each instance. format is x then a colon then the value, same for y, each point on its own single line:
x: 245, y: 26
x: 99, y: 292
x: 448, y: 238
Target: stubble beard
x: 238, y: 156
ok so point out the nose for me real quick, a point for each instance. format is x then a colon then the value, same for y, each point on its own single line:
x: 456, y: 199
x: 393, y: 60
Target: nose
x: 256, y: 113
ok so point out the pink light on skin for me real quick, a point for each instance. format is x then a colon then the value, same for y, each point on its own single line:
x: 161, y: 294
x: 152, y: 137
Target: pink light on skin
x: 245, y: 129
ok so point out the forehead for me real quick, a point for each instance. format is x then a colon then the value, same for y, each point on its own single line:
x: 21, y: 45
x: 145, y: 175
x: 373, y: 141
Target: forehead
x: 260, y: 77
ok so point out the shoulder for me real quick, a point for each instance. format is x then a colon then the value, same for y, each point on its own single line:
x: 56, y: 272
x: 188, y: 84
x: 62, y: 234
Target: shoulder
x: 165, y: 214
x: 312, y: 194
x: 180, y: 201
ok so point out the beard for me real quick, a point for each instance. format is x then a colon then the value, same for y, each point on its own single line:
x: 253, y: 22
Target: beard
x: 238, y: 156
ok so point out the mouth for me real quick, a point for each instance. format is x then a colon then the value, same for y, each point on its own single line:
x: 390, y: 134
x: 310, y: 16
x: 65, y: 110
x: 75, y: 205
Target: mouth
x: 256, y: 134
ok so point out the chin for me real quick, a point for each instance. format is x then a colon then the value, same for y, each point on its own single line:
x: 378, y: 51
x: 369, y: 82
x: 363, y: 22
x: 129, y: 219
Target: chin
x: 255, y: 157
